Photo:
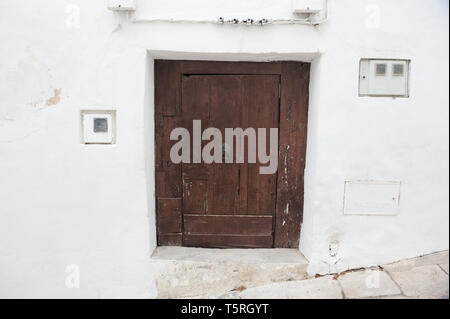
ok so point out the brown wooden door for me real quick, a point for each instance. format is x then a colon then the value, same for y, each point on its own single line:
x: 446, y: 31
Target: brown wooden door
x: 229, y: 204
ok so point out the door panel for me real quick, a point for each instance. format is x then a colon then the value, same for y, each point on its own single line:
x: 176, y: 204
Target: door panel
x: 169, y: 217
x: 224, y: 202
x: 167, y: 173
x: 228, y: 224
x: 196, y: 189
x: 260, y: 110
x: 225, y: 102
x: 226, y: 241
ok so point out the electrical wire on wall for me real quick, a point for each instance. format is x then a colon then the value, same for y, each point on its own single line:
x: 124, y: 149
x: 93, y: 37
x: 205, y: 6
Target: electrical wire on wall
x: 234, y: 21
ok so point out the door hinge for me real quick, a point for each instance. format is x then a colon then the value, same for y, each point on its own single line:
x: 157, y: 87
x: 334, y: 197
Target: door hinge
x: 279, y: 90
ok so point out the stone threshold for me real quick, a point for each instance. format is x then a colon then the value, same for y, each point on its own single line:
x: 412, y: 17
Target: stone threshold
x: 185, y: 271
x: 257, y: 255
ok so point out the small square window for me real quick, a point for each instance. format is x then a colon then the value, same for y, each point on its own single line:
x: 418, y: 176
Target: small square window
x: 100, y: 125
x: 398, y: 69
x: 380, y: 69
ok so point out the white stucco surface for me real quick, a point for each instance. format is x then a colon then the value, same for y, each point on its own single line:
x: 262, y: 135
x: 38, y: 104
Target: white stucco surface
x: 62, y: 202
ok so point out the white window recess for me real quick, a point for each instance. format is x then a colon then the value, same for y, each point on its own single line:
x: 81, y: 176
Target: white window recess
x: 98, y: 126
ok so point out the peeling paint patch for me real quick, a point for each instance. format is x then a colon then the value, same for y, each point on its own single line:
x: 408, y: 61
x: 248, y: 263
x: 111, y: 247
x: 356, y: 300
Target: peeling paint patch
x: 286, y: 211
x: 55, y: 99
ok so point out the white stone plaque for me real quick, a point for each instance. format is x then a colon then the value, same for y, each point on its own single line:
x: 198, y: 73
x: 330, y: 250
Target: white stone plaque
x: 371, y: 198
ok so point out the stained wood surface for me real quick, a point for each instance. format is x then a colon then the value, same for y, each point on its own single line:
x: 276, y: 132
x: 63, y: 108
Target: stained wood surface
x: 231, y: 205
x: 227, y: 241
x: 228, y: 224
x: 292, y: 152
x: 169, y: 215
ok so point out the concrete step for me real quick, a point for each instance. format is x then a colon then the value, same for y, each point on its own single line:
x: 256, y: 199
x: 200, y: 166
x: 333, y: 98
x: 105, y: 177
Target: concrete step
x: 186, y: 272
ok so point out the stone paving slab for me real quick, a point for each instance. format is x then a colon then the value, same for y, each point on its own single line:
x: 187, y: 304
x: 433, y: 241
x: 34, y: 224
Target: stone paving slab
x: 423, y: 282
x: 368, y: 283
x: 444, y: 267
x: 391, y: 297
x: 282, y: 274
x: 317, y: 288
x: 441, y: 257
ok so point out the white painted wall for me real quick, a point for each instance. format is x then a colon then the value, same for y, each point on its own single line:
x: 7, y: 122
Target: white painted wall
x: 67, y: 203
